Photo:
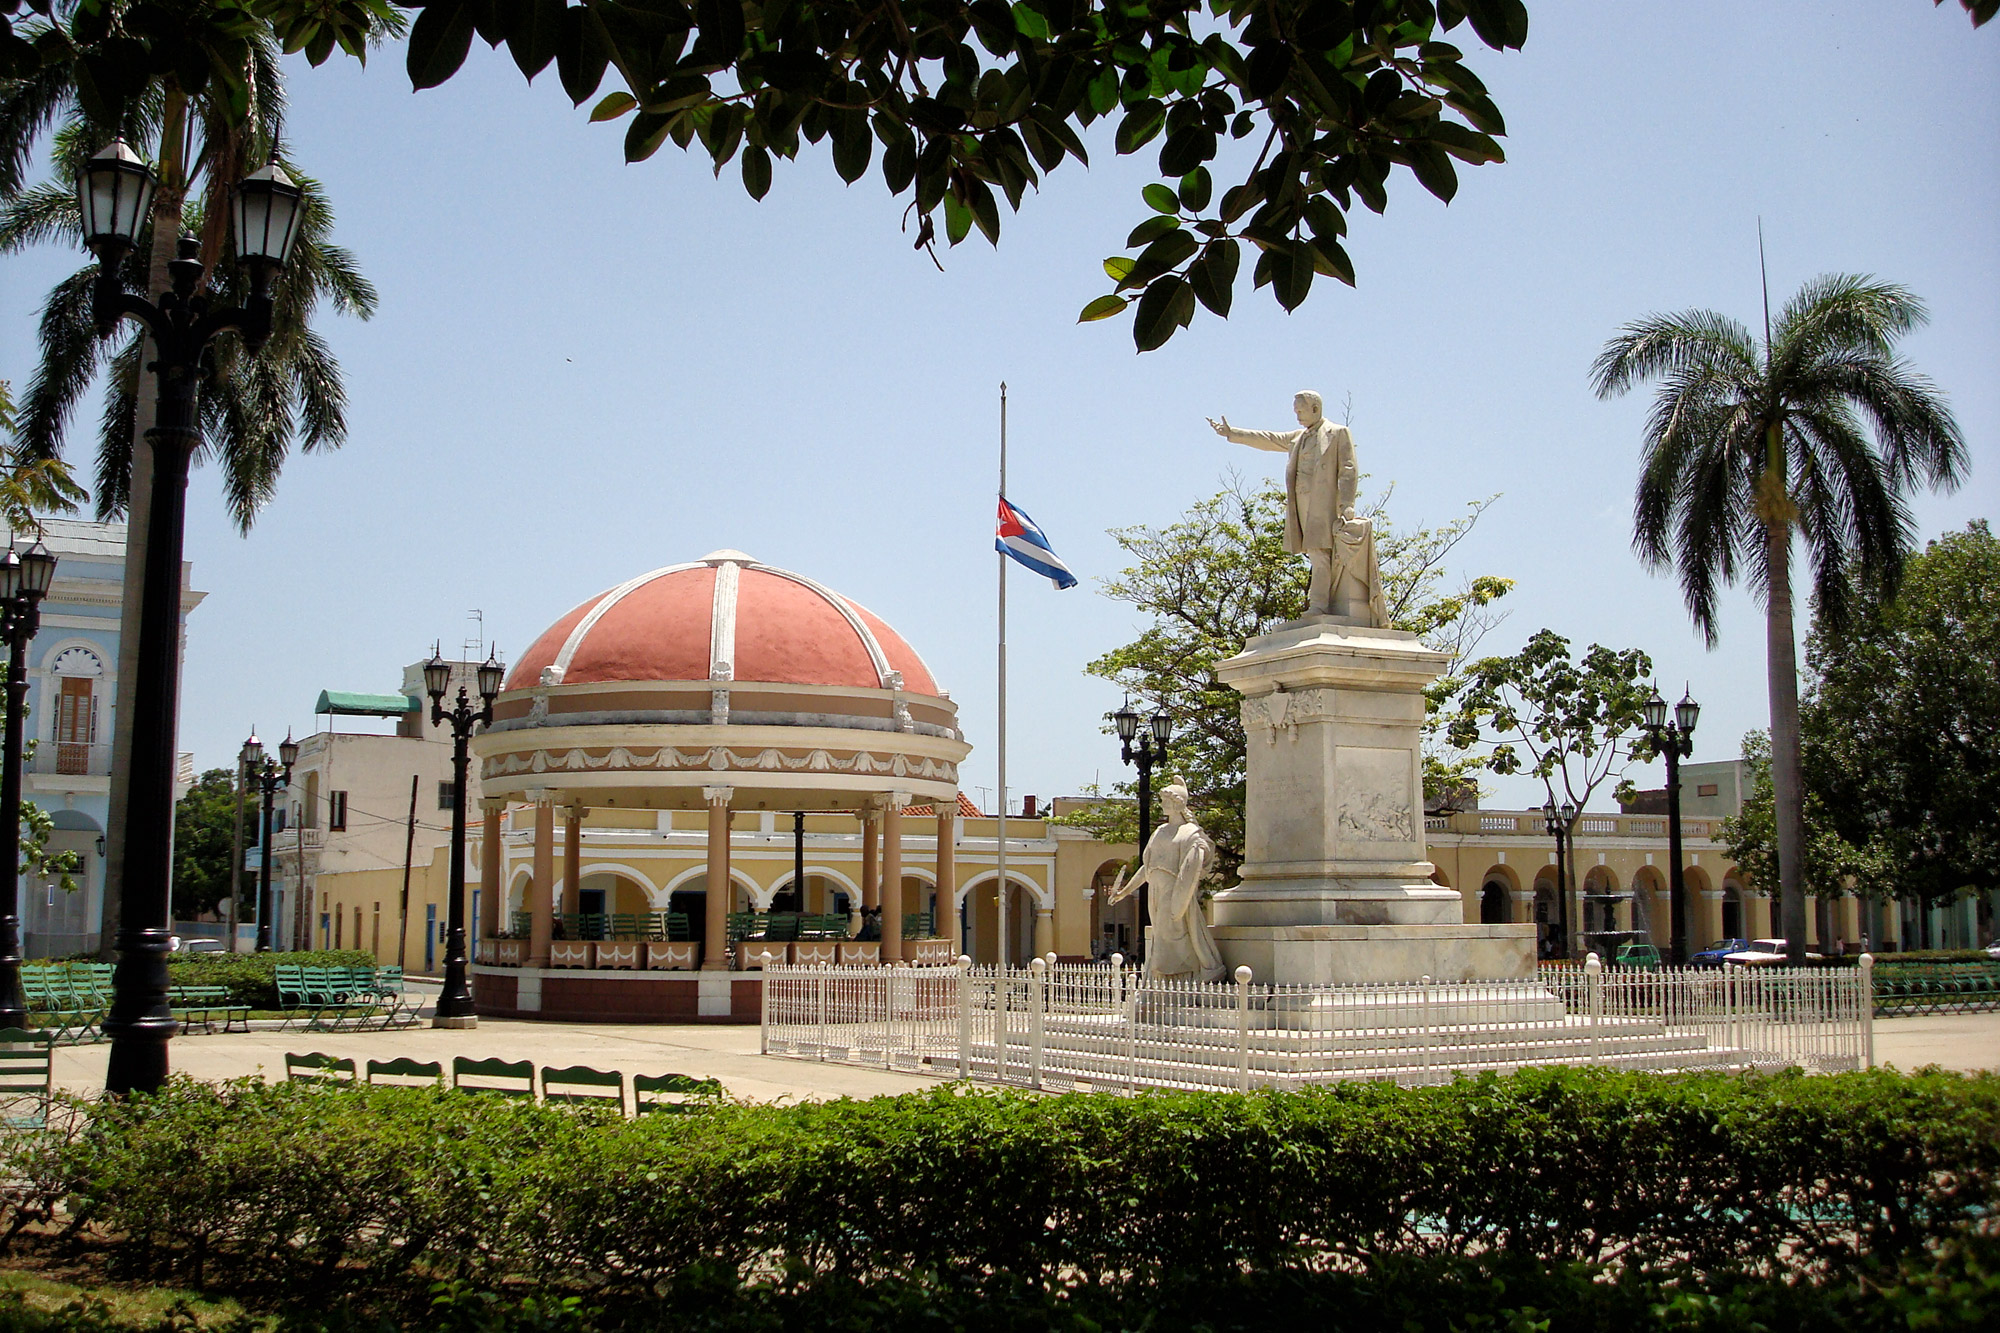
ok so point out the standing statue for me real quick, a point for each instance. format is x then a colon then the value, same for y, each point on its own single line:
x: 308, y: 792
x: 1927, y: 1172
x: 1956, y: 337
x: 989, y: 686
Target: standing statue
x: 1321, y: 478
x: 1176, y: 857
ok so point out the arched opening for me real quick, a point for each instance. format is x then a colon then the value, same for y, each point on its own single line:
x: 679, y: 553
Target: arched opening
x: 1652, y: 911
x: 983, y: 922
x: 1113, y: 928
x: 1496, y: 896
x: 1548, y: 916
x: 1600, y: 901
x: 1734, y: 924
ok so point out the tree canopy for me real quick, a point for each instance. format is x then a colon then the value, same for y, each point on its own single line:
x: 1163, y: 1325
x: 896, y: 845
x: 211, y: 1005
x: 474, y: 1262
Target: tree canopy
x: 1219, y: 575
x: 204, y: 843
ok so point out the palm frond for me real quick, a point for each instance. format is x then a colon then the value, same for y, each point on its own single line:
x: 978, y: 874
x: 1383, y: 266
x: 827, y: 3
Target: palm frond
x: 117, y: 429
x: 28, y: 108
x: 44, y: 215
x: 70, y: 353
x: 1667, y: 344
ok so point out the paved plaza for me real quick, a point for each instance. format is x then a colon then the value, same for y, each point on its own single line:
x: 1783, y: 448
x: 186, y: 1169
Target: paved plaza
x: 729, y: 1052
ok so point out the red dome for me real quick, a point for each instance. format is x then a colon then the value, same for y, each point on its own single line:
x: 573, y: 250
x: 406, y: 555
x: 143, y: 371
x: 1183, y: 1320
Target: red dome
x: 724, y: 617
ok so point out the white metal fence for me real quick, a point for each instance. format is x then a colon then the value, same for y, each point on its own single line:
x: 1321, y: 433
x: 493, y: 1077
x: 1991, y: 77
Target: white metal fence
x: 1065, y: 1026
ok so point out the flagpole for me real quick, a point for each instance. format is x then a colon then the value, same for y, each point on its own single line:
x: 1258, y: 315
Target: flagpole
x: 1000, y: 892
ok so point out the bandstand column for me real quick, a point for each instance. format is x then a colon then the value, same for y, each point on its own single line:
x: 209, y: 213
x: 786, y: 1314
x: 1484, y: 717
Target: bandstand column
x: 892, y: 877
x: 715, y: 949
x: 1045, y: 931
x: 871, y: 868
x: 572, y: 896
x: 945, y: 923
x: 492, y: 891
x: 541, y: 903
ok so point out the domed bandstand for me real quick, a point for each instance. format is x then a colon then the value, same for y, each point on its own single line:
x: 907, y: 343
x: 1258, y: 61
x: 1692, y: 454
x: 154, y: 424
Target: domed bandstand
x: 734, y: 690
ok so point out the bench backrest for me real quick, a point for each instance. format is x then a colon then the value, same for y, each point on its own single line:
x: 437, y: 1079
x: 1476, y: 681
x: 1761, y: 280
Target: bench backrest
x: 674, y: 1094
x: 583, y: 1085
x: 318, y: 1067
x: 505, y: 1078
x: 26, y: 1078
x: 403, y: 1072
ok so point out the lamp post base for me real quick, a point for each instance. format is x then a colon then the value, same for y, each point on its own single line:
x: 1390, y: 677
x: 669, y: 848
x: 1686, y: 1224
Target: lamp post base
x: 455, y: 1021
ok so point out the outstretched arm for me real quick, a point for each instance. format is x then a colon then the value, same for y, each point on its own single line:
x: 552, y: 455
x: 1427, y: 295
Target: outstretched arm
x: 1122, y: 888
x: 1277, y: 441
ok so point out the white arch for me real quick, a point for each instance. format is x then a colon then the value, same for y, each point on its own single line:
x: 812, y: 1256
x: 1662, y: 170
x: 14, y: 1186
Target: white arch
x: 784, y: 881
x: 517, y: 890
x: 617, y: 868
x: 737, y: 879
x: 1044, y: 898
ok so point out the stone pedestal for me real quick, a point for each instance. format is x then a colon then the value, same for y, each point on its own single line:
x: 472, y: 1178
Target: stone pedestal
x: 1334, y: 885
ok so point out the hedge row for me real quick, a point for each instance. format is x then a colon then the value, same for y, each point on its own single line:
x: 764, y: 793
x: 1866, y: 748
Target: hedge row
x: 1784, y: 1176
x: 252, y: 978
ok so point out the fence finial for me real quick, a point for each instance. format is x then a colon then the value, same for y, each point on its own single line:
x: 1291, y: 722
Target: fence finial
x: 1243, y: 975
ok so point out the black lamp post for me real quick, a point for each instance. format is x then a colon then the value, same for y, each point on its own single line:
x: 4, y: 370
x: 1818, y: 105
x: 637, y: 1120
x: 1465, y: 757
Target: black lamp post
x: 1674, y: 740
x: 24, y: 581
x: 115, y: 193
x: 1559, y: 821
x: 454, y: 1005
x: 270, y: 776
x: 1150, y: 748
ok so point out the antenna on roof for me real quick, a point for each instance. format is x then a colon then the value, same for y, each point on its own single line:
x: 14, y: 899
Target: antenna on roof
x: 475, y: 647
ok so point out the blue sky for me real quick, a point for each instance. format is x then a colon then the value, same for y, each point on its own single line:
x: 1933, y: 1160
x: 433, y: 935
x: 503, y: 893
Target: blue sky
x: 583, y: 369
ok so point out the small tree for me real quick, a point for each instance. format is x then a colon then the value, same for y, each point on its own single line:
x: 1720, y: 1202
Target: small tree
x: 1220, y: 575
x: 204, y: 844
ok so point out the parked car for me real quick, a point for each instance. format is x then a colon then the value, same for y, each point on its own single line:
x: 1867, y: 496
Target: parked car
x: 1645, y: 957
x: 1759, y: 953
x: 185, y: 948
x: 1713, y: 955
x: 1993, y: 949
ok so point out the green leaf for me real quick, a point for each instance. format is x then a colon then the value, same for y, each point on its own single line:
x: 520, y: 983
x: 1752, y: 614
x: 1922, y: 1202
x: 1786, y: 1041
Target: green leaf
x: 439, y: 42
x: 756, y: 171
x: 1186, y: 149
x: 851, y: 155
x: 1213, y: 276
x: 613, y: 106
x: 957, y: 219
x: 1161, y: 199
x: 1291, y: 273
x: 1167, y: 305
x: 645, y: 134
x: 985, y: 209
x: 1140, y: 125
x: 1030, y: 23
x: 1196, y: 188
x: 1434, y: 169
x: 582, y: 54
x: 1118, y: 268
x: 1104, y: 307
x: 1152, y: 229
x: 535, y: 34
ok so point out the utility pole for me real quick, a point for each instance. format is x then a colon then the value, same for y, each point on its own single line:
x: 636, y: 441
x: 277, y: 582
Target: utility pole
x: 409, y: 854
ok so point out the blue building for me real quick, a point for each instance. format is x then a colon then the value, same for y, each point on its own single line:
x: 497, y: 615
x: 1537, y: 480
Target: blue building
x: 72, y: 686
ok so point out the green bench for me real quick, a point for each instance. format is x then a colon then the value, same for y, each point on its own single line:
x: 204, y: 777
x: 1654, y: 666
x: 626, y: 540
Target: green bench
x: 205, y: 1005
x: 27, y: 1078
x: 1935, y: 987
x: 330, y: 997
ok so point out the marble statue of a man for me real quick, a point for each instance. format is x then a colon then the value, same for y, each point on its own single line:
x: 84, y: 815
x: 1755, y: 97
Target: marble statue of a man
x: 1176, y: 857
x: 1321, y: 479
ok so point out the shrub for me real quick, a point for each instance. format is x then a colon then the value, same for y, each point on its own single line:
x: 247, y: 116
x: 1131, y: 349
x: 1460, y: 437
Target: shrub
x: 1752, y: 1177
x: 252, y: 978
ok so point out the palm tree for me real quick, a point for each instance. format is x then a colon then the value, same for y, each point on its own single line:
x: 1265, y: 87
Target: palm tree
x: 213, y: 119
x: 1750, y: 445
x: 29, y: 487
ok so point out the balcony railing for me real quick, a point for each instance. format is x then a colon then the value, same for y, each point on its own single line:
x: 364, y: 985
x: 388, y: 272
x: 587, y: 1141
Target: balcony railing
x: 68, y: 759
x: 1528, y: 823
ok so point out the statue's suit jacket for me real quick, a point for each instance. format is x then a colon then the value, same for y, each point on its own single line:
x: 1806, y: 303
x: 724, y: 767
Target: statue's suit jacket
x: 1321, y: 479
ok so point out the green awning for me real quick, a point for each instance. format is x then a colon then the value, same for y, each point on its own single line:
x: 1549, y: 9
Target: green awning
x: 345, y: 704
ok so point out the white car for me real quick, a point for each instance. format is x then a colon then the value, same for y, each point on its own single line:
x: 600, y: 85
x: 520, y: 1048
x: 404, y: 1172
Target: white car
x: 1761, y: 953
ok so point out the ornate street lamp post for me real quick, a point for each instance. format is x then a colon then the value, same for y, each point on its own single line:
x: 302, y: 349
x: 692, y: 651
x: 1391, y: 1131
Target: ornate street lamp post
x: 1559, y: 821
x: 454, y: 1006
x: 1675, y: 741
x: 24, y: 581
x: 115, y: 193
x: 270, y: 776
x: 1149, y: 749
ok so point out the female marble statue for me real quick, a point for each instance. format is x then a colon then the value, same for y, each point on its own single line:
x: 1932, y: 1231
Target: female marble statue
x: 1176, y: 857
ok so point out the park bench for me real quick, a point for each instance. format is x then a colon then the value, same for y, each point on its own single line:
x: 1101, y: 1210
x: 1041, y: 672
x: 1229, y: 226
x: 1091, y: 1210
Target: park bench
x: 917, y: 926
x: 1935, y: 987
x: 318, y: 1067
x: 674, y: 1094
x: 501, y: 1078
x: 27, y: 1078
x: 70, y: 1012
x: 403, y: 1072
x: 580, y: 1085
x: 206, y: 1005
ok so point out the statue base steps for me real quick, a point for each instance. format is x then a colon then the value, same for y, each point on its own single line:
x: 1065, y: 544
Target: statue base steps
x: 1314, y: 955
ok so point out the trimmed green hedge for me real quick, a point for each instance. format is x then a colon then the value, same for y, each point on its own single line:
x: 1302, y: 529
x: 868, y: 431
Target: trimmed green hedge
x: 252, y: 978
x: 1761, y: 1177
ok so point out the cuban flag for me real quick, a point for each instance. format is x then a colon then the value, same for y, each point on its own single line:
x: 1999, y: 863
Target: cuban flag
x: 1019, y: 537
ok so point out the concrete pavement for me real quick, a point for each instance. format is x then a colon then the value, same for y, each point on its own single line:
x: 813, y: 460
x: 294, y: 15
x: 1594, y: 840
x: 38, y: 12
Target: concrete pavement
x: 729, y: 1052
